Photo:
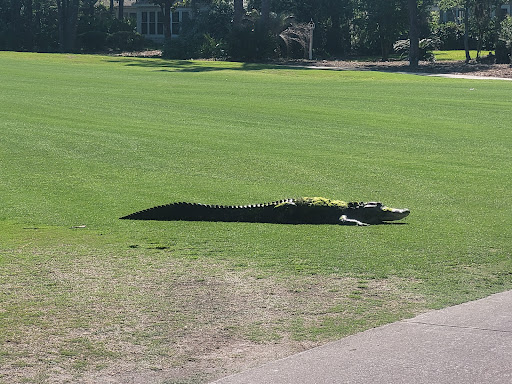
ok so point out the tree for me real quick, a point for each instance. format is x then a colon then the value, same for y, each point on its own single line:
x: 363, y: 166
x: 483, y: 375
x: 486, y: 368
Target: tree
x: 446, y: 5
x: 333, y: 22
x: 482, y: 12
x: 381, y: 23
x: 238, y: 14
x: 414, y: 49
x: 466, y: 29
x: 505, y: 39
x: 68, y: 18
x: 478, y: 17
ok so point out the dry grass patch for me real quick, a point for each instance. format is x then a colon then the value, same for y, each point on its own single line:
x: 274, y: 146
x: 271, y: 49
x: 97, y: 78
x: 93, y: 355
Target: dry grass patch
x: 145, y: 315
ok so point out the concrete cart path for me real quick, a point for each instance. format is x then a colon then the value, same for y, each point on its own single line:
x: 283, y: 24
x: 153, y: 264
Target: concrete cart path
x: 467, y: 343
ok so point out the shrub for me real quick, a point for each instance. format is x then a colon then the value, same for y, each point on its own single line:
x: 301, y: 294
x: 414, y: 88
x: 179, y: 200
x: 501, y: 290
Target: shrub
x: 504, y: 45
x: 248, y: 44
x: 92, y: 41
x: 450, y: 35
x: 502, y: 53
x: 181, y: 48
x: 212, y: 48
x: 126, y: 41
x: 426, y: 48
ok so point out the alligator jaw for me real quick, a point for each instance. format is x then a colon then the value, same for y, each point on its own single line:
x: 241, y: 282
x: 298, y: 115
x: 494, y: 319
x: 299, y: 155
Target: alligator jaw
x: 392, y: 214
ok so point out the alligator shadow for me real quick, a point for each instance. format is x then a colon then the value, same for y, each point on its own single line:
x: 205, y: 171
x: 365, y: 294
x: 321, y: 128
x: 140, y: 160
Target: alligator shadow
x: 302, y: 223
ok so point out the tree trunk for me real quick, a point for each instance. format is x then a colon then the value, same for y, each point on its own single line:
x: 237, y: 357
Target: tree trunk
x: 166, y: 10
x: 334, y: 41
x: 13, y: 32
x: 384, y: 49
x: 29, y: 25
x: 111, y: 9
x: 414, y: 48
x: 238, y: 13
x: 68, y: 17
x: 466, y: 32
x: 121, y: 9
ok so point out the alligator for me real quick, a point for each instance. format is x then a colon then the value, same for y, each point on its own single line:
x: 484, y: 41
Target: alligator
x: 304, y: 210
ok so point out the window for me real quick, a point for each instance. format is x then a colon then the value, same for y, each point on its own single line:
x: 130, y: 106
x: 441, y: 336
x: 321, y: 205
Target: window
x: 175, y: 23
x: 144, y: 24
x: 160, y: 23
x: 178, y: 19
x: 152, y: 22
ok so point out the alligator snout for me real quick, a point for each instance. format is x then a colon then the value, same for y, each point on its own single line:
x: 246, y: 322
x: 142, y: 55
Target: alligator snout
x: 401, y: 212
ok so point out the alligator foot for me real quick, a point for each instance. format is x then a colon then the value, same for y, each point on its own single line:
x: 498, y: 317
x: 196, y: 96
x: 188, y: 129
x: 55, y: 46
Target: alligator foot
x: 344, y: 220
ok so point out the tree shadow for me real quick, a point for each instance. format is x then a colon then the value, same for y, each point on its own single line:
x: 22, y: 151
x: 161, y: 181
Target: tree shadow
x: 425, y: 68
x: 164, y: 65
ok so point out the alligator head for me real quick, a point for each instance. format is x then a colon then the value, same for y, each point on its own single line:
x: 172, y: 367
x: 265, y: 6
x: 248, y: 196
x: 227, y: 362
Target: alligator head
x: 376, y: 212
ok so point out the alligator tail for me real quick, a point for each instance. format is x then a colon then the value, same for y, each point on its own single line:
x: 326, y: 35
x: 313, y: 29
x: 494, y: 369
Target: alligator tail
x: 261, y: 213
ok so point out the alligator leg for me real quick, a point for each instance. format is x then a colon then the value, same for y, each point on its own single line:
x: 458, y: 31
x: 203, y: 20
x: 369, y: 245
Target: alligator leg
x: 344, y: 220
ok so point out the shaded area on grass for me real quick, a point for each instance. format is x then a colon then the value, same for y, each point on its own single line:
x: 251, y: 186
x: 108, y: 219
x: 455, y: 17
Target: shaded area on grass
x: 188, y: 65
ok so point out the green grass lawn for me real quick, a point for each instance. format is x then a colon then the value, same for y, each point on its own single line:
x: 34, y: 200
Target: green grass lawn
x: 457, y: 55
x: 87, y: 139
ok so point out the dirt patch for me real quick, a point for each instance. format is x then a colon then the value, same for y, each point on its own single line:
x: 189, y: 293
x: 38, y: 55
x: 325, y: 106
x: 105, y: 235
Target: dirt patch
x: 443, y: 67
x: 148, y: 53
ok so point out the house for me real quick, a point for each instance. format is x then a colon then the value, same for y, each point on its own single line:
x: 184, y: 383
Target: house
x: 457, y: 14
x: 150, y: 21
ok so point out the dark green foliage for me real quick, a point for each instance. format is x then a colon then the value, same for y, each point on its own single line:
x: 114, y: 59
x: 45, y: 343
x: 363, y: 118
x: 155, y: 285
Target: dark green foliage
x: 502, y: 53
x: 99, y: 30
x: 92, y: 41
x: 212, y: 48
x: 426, y: 48
x: 27, y: 25
x: 504, y: 44
x: 250, y: 44
x: 182, y: 48
x: 212, y: 35
x: 125, y: 41
x: 204, y: 37
x: 343, y: 27
x: 451, y: 35
x: 379, y: 24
